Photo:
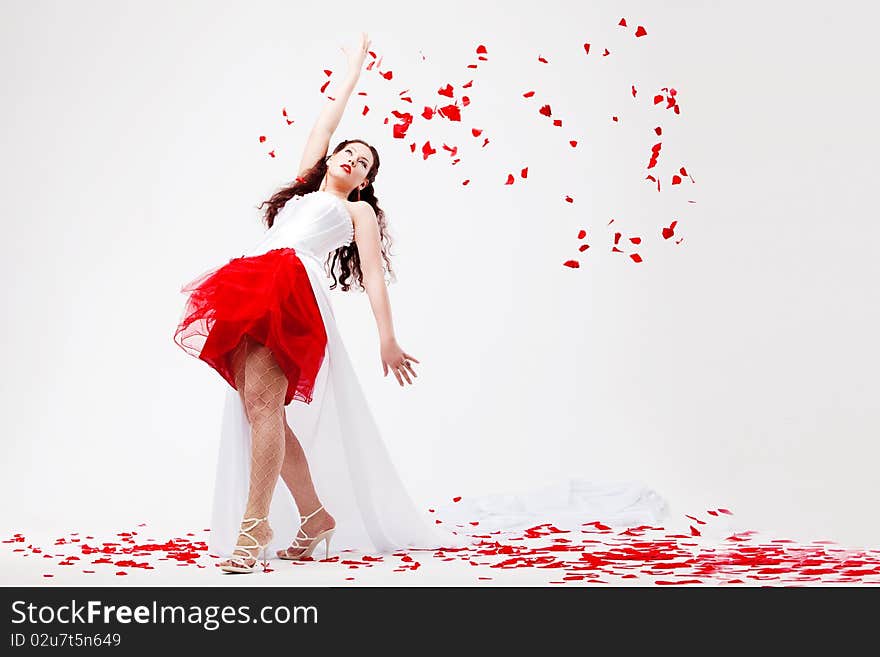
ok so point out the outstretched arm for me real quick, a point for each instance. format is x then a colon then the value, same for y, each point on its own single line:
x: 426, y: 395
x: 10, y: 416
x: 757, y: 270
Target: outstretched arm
x: 331, y: 114
x: 368, y: 238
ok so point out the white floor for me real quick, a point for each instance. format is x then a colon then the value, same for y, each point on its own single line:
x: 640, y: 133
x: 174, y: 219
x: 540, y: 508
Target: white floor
x: 589, y: 555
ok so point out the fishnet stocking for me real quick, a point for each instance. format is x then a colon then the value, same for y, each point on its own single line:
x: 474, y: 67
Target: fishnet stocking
x: 261, y: 383
x: 296, y: 474
x: 275, y: 449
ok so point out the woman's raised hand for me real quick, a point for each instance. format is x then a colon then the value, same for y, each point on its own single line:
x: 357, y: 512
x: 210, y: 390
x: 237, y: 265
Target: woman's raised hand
x: 357, y: 55
x: 397, y: 360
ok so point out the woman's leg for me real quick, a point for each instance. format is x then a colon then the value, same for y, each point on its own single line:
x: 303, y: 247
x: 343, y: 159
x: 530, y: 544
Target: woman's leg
x: 295, y: 473
x: 262, y: 385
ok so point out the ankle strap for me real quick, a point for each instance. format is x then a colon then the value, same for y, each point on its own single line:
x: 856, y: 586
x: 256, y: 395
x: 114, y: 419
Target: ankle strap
x: 304, y: 518
x: 256, y: 522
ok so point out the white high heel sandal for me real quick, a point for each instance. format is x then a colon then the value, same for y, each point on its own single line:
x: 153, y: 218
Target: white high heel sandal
x: 238, y: 564
x: 308, y: 543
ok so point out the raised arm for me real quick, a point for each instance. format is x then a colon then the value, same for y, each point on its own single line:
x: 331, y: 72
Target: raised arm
x: 318, y: 141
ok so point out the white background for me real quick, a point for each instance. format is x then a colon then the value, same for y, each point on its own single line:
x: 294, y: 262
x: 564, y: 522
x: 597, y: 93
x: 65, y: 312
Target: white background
x: 735, y: 369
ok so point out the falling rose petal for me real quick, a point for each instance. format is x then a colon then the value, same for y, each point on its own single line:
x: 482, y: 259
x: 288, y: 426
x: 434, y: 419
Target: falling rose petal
x: 328, y: 72
x: 574, y: 264
x: 655, y: 154
x: 606, y: 53
x: 633, y: 90
x: 696, y: 520
x: 485, y: 141
x: 725, y: 511
x: 475, y: 132
x: 457, y: 498
x: 466, y: 182
x: 524, y: 173
x: 451, y: 112
x: 427, y: 150
x: 528, y: 94
x: 365, y: 110
x: 569, y: 199
x: 695, y: 531
x: 676, y: 179
x: 272, y: 154
x: 622, y: 22
x: 635, y: 240
x: 614, y: 118
x: 587, y: 48
x: 262, y: 139
x: 542, y: 60
x: 509, y: 179
x: 324, y: 86
x: 465, y: 101
x: 582, y: 234
x: 573, y: 143
x: 387, y: 75
x: 467, y: 85
x: 557, y: 123
x: 481, y: 50
x: 583, y: 247
x: 545, y: 110
x: 640, y: 31
x: 636, y: 257
x: 446, y: 91
x: 427, y: 113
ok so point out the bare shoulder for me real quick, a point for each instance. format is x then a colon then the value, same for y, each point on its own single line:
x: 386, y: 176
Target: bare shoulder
x: 361, y: 211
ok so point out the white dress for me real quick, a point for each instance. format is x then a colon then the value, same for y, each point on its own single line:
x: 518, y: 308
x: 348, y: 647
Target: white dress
x: 352, y: 471
x: 350, y: 466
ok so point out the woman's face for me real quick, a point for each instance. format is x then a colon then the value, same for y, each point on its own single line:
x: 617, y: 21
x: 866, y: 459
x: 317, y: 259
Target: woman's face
x: 352, y: 164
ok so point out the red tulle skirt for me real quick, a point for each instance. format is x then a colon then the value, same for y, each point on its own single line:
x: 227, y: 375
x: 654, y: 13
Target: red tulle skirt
x: 268, y: 297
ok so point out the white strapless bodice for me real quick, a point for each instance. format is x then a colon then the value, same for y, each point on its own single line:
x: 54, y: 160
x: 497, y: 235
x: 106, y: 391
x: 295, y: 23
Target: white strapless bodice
x: 313, y: 224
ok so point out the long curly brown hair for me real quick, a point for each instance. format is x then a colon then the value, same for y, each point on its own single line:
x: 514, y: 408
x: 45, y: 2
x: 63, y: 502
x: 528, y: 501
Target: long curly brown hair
x: 345, y: 260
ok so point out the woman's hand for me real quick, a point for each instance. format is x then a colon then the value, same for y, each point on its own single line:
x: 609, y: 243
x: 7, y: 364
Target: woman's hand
x: 398, y: 360
x: 356, y: 57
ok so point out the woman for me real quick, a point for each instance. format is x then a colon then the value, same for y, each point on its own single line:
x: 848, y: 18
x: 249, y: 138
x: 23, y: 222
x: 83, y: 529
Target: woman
x: 265, y: 323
